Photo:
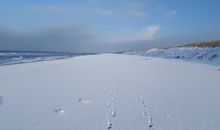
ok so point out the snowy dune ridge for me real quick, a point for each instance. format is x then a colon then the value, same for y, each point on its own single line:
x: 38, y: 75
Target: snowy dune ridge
x: 207, y: 55
x: 109, y: 91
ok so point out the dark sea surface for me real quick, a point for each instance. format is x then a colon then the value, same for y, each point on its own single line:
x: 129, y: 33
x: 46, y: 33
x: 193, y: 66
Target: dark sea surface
x: 18, y: 57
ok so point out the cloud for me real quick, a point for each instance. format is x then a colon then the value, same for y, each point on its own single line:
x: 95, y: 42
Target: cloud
x: 135, y: 5
x: 144, y: 35
x: 171, y: 13
x: 135, y: 13
x: 95, y: 3
x: 122, y: 9
x: 166, y: 12
x: 61, y: 38
x: 75, y: 38
x: 120, y: 13
x: 135, y: 8
x: 95, y: 7
x: 147, y: 33
x: 103, y: 12
x: 50, y: 8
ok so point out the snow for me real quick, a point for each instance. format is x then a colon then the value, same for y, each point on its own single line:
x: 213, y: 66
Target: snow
x: 208, y: 55
x: 1, y: 100
x: 110, y: 91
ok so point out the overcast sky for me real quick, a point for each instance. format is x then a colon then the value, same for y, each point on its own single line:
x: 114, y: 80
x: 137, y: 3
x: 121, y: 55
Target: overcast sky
x: 105, y: 25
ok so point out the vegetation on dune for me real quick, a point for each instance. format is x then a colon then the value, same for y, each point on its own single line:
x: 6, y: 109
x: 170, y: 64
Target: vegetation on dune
x: 204, y: 44
x: 197, y: 44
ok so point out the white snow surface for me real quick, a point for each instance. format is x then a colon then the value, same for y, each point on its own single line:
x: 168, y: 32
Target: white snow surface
x: 110, y: 91
x: 207, y: 55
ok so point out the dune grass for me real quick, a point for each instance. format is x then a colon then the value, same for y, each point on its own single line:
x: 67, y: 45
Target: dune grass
x: 204, y: 44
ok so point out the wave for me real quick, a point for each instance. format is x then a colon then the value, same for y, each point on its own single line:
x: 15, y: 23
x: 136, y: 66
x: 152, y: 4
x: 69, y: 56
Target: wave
x: 16, y: 57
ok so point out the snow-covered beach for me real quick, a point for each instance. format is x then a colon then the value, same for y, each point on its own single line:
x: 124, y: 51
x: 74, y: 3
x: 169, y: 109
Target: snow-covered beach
x: 109, y: 65
x: 110, y: 91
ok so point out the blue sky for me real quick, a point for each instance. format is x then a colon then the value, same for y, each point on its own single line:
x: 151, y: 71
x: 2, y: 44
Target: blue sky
x: 105, y: 25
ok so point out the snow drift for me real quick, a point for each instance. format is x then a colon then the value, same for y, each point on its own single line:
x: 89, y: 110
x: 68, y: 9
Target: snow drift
x: 207, y: 55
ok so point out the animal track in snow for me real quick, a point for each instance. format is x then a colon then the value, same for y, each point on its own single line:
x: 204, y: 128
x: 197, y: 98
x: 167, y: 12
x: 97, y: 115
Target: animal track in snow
x: 84, y: 101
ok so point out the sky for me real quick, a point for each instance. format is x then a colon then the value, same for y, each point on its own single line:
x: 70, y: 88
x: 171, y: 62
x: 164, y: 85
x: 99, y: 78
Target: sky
x: 105, y: 25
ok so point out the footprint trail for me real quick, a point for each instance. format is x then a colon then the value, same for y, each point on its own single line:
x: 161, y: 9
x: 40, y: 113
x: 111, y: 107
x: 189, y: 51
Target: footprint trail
x: 148, y: 119
x: 111, y: 110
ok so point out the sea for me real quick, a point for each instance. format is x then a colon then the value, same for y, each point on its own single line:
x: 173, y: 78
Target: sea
x: 19, y: 57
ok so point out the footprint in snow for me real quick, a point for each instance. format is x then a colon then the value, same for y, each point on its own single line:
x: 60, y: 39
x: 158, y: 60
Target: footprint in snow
x: 131, y: 90
x: 142, y: 104
x: 59, y: 111
x: 109, y: 124
x: 137, y: 98
x: 84, y: 101
x: 108, y: 104
x: 111, y: 94
x: 113, y: 113
x: 148, y: 59
x: 135, y: 94
x: 150, y: 122
x: 144, y: 113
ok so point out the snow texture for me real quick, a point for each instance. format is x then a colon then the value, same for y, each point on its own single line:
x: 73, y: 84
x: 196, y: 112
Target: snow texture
x: 1, y: 100
x: 110, y: 91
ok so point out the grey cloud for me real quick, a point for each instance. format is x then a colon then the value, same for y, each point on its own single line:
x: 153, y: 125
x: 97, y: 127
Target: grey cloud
x: 64, y: 38
x: 145, y: 34
x: 75, y: 38
x: 61, y: 39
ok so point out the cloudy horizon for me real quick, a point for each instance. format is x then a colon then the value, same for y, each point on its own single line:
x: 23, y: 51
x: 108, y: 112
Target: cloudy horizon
x: 105, y: 26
